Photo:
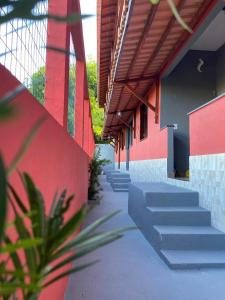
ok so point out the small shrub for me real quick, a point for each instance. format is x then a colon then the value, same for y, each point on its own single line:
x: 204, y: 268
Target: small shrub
x: 95, y: 169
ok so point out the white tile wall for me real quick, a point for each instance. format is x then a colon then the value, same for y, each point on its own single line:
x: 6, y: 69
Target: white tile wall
x: 207, y: 176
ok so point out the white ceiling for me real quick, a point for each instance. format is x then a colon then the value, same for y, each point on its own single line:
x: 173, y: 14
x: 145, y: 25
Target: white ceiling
x: 214, y: 35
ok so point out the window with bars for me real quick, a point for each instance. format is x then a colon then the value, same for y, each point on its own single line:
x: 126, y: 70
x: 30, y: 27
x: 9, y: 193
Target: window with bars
x: 143, y: 121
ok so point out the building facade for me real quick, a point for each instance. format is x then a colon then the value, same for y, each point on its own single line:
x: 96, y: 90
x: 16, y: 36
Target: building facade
x: 163, y: 90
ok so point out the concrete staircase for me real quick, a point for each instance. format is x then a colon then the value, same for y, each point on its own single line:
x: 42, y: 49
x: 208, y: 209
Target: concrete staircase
x: 175, y: 225
x: 119, y: 181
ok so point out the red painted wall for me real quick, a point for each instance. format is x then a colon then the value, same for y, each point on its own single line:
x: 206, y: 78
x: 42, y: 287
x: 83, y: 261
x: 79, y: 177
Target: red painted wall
x: 207, y: 129
x: 54, y: 159
x: 57, y: 64
x: 152, y: 147
x: 79, y: 103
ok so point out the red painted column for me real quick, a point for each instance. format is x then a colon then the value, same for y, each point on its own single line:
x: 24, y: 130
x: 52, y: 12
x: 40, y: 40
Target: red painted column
x: 57, y: 64
x: 86, y: 126
x: 79, y: 102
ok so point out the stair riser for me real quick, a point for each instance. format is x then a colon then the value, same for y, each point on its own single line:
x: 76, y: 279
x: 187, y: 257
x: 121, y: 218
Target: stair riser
x: 181, y: 218
x: 120, y: 190
x: 120, y: 180
x: 191, y: 242
x: 192, y: 266
x: 120, y: 177
x: 120, y: 185
x: 196, y: 266
x: 172, y: 199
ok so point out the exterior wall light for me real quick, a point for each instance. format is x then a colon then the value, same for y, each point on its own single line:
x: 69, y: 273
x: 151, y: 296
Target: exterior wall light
x: 200, y: 65
x: 119, y: 114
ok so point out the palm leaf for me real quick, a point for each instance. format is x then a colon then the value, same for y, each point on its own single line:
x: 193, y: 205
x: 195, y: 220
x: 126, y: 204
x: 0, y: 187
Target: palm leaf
x: 68, y: 229
x: 15, y: 258
x: 30, y: 253
x: 175, y: 13
x: 55, y: 219
x: 87, y: 250
x: 60, y: 50
x: 20, y: 244
x: 177, y: 16
x: 17, y: 199
x: 36, y: 203
x: 65, y: 274
x: 83, y: 235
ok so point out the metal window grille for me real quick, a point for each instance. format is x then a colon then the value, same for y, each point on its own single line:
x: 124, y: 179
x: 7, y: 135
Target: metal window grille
x: 72, y: 86
x: 23, y: 52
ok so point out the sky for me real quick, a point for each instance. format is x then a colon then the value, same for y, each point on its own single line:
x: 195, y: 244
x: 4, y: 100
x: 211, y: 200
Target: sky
x: 90, y: 28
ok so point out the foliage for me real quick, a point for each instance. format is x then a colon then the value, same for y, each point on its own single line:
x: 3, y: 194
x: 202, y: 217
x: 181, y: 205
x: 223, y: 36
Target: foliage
x: 38, y: 85
x: 175, y: 12
x: 41, y: 250
x: 46, y: 244
x: 95, y: 169
x: 24, y: 9
x: 97, y: 112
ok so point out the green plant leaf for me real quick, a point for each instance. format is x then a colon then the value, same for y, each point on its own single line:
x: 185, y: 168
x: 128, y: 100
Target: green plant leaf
x: 3, y: 198
x: 65, y: 274
x: 55, y: 219
x: 100, y: 236
x: 12, y: 94
x: 15, y: 258
x: 6, y: 111
x: 60, y: 50
x: 21, y: 244
x: 17, y: 199
x: 9, y: 288
x: 30, y: 253
x: 37, y: 205
x: 25, y: 145
x: 154, y: 2
x: 83, y: 235
x: 85, y: 251
x: 68, y: 229
x: 177, y: 16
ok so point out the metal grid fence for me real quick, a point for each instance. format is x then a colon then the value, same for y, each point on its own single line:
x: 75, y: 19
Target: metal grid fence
x: 22, y: 50
x: 72, y: 82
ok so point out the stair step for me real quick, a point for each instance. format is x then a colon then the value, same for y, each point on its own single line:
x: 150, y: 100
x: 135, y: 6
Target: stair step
x: 189, y: 238
x: 120, y: 190
x: 163, y: 194
x: 193, y: 259
x: 111, y: 178
x: 120, y: 184
x: 120, y: 180
x: 120, y: 176
x: 194, y: 215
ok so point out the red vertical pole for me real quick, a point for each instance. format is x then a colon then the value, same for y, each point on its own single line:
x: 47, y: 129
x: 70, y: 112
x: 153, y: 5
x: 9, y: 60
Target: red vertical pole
x: 86, y: 126
x: 79, y: 103
x: 57, y: 64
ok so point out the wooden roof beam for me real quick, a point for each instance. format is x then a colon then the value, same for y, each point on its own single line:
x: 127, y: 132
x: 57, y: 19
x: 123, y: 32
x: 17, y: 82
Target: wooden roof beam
x: 140, y: 98
x: 143, y: 78
x: 122, y: 111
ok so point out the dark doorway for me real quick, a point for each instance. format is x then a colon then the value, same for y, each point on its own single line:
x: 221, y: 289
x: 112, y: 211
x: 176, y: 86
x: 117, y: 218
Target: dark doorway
x: 129, y: 142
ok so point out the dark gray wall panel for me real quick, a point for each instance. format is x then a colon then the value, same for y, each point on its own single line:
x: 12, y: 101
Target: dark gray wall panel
x: 184, y: 90
x: 220, y: 74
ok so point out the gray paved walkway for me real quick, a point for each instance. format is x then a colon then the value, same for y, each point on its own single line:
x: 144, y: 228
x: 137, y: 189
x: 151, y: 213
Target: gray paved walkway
x: 131, y: 270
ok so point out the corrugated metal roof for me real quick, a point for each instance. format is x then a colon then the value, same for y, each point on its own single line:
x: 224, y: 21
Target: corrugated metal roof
x: 152, y: 37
